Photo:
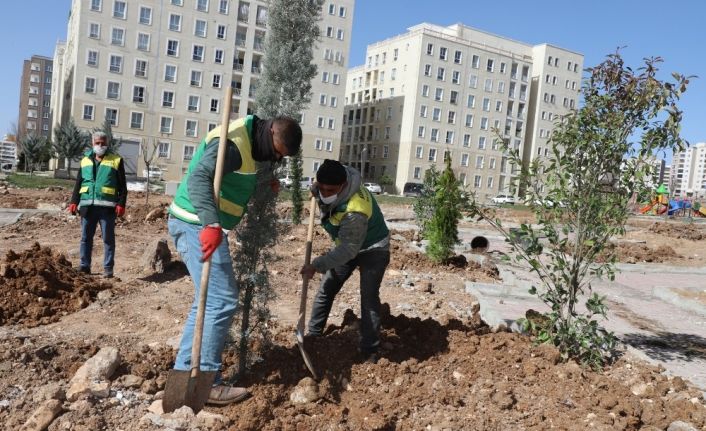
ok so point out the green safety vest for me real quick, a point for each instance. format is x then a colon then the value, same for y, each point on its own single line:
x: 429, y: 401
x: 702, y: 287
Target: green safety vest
x: 236, y: 187
x: 101, y: 189
x: 361, y: 202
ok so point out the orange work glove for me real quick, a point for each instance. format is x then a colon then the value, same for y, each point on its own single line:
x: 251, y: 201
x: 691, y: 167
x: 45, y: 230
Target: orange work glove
x: 210, y: 237
x: 73, y: 208
x: 119, y: 210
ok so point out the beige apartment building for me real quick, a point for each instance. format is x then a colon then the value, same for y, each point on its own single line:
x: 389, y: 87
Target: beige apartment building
x: 688, y: 172
x: 157, y: 69
x: 34, y: 114
x: 437, y: 90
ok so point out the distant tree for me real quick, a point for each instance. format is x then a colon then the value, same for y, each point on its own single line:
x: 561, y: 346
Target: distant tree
x: 70, y: 143
x: 295, y: 167
x: 284, y: 89
x: 148, y: 148
x: 424, y: 205
x: 34, y: 148
x: 442, y: 230
x: 384, y: 181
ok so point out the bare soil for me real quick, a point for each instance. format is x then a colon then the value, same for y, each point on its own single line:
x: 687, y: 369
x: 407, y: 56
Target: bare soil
x: 440, y: 367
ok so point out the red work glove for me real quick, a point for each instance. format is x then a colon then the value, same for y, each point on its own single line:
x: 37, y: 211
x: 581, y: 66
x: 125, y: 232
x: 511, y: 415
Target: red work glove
x: 73, y: 208
x: 119, y: 210
x: 210, y: 237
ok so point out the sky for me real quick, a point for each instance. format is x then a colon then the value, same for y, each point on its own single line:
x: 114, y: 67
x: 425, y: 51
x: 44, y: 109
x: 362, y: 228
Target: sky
x: 671, y: 29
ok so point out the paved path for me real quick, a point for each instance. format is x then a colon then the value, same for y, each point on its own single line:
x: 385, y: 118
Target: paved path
x: 11, y: 215
x: 658, y: 311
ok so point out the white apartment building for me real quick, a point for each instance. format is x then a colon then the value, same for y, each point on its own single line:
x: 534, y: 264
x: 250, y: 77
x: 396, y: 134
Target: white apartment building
x: 157, y: 70
x: 437, y: 90
x: 688, y: 171
x: 8, y: 151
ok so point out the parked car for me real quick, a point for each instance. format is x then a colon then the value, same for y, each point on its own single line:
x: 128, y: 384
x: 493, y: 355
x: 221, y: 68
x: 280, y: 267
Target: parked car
x: 6, y: 167
x: 412, y: 189
x: 286, y: 182
x: 373, y: 188
x: 503, y: 199
x: 154, y: 174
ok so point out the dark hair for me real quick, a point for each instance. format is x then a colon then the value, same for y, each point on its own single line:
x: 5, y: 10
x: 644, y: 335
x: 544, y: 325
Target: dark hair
x: 290, y: 131
x: 331, y: 172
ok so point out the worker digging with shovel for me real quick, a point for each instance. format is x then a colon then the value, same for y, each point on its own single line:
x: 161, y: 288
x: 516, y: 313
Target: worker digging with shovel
x: 352, y: 217
x: 196, y: 224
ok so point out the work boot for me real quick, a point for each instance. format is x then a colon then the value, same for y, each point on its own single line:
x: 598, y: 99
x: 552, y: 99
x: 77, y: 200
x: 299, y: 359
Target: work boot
x: 107, y: 275
x: 370, y: 357
x: 222, y: 395
x: 85, y: 270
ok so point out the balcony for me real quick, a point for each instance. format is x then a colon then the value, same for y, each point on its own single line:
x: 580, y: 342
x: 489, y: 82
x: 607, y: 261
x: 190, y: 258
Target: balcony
x: 238, y: 66
x: 255, y: 69
x: 240, y: 41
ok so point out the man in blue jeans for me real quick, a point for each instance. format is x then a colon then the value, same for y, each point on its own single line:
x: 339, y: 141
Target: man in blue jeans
x: 352, y: 217
x: 99, y: 196
x: 196, y: 224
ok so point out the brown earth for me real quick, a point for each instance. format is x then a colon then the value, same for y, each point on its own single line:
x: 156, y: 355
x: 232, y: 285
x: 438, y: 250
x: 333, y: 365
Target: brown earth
x: 681, y: 230
x: 440, y: 368
x: 635, y: 253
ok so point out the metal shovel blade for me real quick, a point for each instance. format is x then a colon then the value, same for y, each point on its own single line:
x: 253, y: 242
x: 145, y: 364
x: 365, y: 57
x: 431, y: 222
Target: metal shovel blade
x: 183, y: 389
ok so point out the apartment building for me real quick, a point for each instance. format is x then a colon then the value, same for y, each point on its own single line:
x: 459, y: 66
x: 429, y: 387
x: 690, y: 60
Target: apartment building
x: 34, y: 116
x: 436, y: 90
x: 157, y: 70
x: 8, y: 152
x: 688, y: 171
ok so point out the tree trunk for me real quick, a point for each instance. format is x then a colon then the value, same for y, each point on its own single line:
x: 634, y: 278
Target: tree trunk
x: 244, y: 329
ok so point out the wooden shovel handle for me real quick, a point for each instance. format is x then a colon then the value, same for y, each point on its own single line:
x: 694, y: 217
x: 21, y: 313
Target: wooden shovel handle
x: 203, y: 294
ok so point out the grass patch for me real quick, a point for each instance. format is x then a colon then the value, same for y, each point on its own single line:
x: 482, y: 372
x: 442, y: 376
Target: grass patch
x: 285, y: 195
x: 24, y: 181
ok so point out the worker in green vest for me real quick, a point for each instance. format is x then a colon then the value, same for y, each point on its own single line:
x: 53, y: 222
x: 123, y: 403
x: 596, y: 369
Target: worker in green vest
x: 352, y: 217
x: 99, y: 195
x: 196, y: 223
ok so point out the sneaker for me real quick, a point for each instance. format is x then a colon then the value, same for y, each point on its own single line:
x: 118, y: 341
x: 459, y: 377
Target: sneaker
x: 222, y: 395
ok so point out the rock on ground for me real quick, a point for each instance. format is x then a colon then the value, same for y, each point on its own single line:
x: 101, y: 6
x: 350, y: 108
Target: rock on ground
x: 92, y: 377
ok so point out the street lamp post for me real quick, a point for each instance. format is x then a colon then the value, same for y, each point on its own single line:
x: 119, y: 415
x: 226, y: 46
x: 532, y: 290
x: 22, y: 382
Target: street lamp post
x: 362, y: 161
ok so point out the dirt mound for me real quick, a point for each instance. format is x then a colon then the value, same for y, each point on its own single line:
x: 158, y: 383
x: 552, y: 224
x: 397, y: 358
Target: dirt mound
x: 137, y: 214
x: 681, y: 231
x: 634, y: 253
x: 38, y: 287
x: 405, y: 259
x: 433, y: 375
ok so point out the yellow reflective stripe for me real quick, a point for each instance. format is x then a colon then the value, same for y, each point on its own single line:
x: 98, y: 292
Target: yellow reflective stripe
x: 183, y: 214
x: 86, y: 162
x: 229, y: 207
x: 108, y: 190
x: 83, y: 189
x: 111, y: 160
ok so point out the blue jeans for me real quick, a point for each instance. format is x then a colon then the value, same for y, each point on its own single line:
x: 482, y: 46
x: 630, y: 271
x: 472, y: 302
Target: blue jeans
x: 106, y: 217
x: 221, y: 301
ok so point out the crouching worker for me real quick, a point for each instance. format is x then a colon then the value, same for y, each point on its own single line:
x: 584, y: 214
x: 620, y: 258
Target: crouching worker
x: 352, y: 217
x: 196, y: 223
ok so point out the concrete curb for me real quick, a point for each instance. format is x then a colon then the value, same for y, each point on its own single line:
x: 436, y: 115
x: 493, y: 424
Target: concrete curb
x: 501, y: 305
x: 668, y: 295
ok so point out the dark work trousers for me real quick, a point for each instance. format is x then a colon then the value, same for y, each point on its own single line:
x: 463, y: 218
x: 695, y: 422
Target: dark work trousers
x: 371, y: 265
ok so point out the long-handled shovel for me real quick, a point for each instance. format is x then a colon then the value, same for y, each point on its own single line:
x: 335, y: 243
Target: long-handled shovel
x: 305, y: 286
x: 191, y: 388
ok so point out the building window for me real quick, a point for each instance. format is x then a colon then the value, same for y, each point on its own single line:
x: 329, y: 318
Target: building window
x: 339, y: 34
x: 113, y: 90
x: 119, y: 9
x: 440, y: 74
x: 329, y: 146
x: 430, y: 49
x: 475, y: 62
x: 138, y: 94
x: 417, y: 172
x: 193, y: 104
x: 419, y: 152
x: 490, y: 66
x: 221, y: 32
x: 434, y: 137
x: 469, y: 120
x: 145, y: 15
x: 481, y: 142
x: 223, y: 7
x: 436, y: 114
x: 94, y: 30
x: 421, y: 131
x: 458, y: 57
x: 443, y: 52
x: 216, y: 81
x: 484, y: 123
x: 141, y: 68
x: 202, y: 5
x: 117, y: 37
x: 96, y: 5
x: 214, y: 105
x: 88, y: 112
x: 423, y: 111
x: 136, y: 120
x: 200, y: 28
x: 172, y: 48
x: 191, y: 128
x: 432, y: 155
x: 164, y: 148
x: 466, y: 140
x: 111, y: 115
x: 143, y: 41
x: 449, y: 137
x: 178, y: 2
x: 116, y: 64
x: 218, y: 56
x: 473, y: 81
x: 477, y: 181
x: 464, y: 159
x: 170, y: 73
x: 197, y: 53
x: 439, y: 95
x: 165, y: 126
x: 90, y: 86
x: 486, y: 104
x: 189, y: 152
x: 195, y: 80
x: 456, y: 77
x: 168, y: 99
x: 92, y: 58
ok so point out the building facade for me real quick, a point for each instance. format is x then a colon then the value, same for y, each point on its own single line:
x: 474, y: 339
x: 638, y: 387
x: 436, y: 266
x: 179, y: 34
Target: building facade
x: 436, y: 90
x: 34, y: 116
x: 156, y: 70
x: 688, y: 172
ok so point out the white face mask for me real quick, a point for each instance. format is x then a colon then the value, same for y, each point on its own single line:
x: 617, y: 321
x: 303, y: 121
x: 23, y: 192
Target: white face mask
x: 99, y: 150
x: 329, y: 200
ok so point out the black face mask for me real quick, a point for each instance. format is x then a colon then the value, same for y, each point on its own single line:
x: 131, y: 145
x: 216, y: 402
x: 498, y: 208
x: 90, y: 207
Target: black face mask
x: 263, y: 149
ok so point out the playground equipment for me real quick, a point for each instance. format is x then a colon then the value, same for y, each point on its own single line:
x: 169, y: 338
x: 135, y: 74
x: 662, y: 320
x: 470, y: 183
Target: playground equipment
x: 673, y: 207
x: 659, y: 204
